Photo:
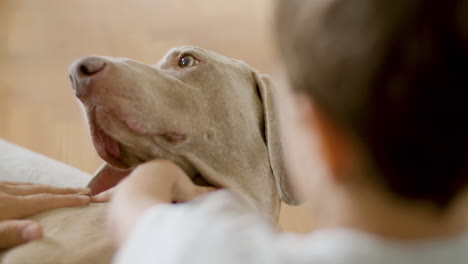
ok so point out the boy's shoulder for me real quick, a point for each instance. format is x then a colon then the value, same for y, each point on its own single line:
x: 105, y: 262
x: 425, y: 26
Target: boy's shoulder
x: 218, y: 228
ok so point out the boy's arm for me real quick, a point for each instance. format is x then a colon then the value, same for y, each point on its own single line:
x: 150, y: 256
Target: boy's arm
x: 219, y: 227
x: 153, y: 183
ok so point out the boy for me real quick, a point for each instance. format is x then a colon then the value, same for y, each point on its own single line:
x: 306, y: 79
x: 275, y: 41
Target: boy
x: 375, y: 128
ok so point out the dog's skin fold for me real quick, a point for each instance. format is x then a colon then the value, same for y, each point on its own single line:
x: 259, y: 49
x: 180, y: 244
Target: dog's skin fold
x: 211, y: 115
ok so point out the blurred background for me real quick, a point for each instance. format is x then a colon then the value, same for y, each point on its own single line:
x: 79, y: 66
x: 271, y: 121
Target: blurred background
x: 39, y: 40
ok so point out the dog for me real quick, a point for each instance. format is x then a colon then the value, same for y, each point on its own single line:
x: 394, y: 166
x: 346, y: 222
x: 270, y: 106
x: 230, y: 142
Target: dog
x: 212, y: 115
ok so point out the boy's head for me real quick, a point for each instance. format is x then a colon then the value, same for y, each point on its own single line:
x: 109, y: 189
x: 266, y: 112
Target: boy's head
x: 384, y: 85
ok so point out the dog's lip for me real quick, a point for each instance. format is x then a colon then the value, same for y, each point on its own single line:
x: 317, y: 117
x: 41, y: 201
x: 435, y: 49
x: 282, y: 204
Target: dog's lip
x: 139, y: 129
x: 106, y: 146
x: 134, y: 126
x: 131, y: 123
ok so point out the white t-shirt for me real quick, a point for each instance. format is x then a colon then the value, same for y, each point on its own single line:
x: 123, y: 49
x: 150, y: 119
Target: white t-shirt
x: 219, y: 229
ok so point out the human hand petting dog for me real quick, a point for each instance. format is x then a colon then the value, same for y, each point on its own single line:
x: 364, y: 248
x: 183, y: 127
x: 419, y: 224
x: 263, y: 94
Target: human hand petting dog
x: 19, y: 200
x: 152, y: 183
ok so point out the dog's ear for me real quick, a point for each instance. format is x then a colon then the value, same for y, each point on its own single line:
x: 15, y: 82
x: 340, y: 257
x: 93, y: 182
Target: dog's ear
x: 272, y: 136
x: 106, y: 177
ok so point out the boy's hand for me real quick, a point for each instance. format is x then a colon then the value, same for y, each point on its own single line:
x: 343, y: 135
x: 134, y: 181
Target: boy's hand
x: 19, y: 200
x: 154, y: 182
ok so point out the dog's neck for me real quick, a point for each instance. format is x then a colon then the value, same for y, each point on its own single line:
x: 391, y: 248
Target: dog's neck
x: 237, y: 167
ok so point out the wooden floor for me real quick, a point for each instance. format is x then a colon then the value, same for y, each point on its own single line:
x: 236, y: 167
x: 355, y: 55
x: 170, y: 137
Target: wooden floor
x: 39, y: 39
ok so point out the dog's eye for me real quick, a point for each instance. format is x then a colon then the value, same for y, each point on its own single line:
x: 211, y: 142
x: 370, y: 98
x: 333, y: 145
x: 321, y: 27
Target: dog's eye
x: 188, y: 61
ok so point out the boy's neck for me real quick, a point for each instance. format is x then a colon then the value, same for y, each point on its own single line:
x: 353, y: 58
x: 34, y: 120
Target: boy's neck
x: 378, y: 214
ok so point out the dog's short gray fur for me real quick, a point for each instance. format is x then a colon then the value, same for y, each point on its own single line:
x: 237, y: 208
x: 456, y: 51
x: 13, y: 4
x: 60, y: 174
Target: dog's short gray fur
x: 222, y: 107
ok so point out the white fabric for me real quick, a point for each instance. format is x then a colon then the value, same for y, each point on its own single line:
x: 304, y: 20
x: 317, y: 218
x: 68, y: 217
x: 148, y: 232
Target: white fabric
x: 22, y: 165
x: 218, y: 229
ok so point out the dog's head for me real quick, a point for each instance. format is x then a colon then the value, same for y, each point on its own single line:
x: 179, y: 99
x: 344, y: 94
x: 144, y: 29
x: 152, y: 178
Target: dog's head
x: 210, y: 114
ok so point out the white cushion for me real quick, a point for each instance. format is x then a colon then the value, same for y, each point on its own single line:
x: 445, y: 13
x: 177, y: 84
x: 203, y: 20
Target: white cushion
x: 22, y: 165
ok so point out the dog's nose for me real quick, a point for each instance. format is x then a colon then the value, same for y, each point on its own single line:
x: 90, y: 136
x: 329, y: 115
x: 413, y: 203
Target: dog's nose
x: 91, y: 66
x: 83, y: 70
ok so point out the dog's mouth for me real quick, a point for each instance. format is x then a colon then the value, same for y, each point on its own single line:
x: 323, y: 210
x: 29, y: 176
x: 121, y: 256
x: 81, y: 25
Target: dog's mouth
x: 106, y: 146
x: 111, y: 150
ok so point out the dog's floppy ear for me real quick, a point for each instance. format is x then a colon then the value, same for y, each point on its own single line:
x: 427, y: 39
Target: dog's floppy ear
x: 272, y: 136
x: 106, y: 177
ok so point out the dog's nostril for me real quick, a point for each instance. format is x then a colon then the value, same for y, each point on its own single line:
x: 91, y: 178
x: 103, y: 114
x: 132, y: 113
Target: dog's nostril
x: 84, y: 70
x: 91, y: 67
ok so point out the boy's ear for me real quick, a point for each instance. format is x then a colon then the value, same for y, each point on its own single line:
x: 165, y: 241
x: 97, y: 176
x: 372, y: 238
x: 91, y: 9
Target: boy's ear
x: 106, y: 177
x: 272, y: 136
x: 338, y: 148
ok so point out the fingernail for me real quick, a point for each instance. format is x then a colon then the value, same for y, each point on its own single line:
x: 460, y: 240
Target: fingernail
x: 31, y: 232
x: 85, y: 191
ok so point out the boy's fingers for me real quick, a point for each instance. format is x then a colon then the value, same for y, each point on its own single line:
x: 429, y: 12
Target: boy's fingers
x: 28, y: 189
x: 33, y: 204
x: 17, y: 232
x: 23, y: 206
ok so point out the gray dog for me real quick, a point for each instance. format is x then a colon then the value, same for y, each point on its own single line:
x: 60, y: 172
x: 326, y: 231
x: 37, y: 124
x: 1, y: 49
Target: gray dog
x: 212, y: 115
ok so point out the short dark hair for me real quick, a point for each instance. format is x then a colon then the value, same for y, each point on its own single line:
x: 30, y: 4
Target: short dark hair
x: 394, y: 74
